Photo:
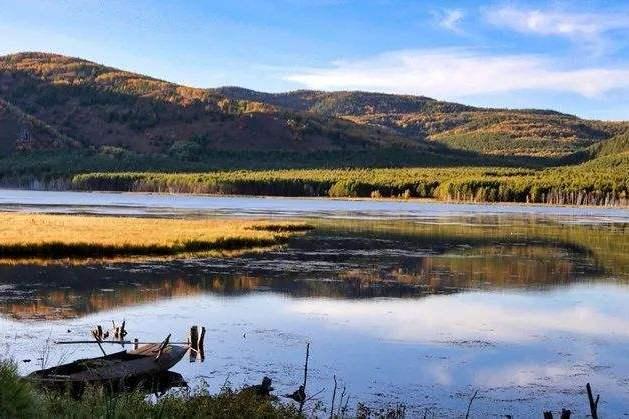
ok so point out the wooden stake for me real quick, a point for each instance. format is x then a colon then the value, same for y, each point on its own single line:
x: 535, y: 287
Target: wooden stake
x: 303, y: 389
x: 201, y: 344
x: 119, y: 331
x: 194, y: 337
x: 194, y: 343
x: 306, y: 364
x: 593, y: 403
x: 98, y: 337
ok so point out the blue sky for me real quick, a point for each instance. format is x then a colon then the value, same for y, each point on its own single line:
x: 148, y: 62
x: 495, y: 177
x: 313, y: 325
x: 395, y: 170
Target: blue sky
x: 571, y: 56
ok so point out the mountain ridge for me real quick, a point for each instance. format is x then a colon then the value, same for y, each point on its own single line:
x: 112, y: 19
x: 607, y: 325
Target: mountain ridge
x: 233, y: 91
x: 447, y: 122
x: 51, y: 101
x: 104, y: 106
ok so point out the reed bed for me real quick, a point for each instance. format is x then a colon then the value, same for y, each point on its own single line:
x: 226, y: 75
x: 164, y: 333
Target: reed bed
x: 74, y: 236
x: 602, y: 181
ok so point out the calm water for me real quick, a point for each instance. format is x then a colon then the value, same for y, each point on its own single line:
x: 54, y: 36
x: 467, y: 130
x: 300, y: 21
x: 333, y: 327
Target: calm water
x: 403, y: 302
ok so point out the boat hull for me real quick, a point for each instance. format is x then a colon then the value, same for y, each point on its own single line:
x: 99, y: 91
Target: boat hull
x: 122, y: 366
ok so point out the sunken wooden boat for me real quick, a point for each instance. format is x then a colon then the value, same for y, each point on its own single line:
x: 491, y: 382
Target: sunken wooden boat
x: 124, y: 366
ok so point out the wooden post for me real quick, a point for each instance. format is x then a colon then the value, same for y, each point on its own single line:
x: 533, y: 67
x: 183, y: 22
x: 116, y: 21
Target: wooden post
x: 194, y: 342
x: 119, y: 331
x: 98, y: 337
x: 194, y: 337
x: 201, y: 344
x: 593, y: 402
x: 302, y: 389
x: 135, y: 343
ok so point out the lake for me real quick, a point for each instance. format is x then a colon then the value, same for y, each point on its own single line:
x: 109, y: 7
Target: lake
x: 414, y: 303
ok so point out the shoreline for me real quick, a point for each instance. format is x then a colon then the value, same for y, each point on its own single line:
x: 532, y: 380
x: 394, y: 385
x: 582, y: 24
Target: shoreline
x: 412, y: 200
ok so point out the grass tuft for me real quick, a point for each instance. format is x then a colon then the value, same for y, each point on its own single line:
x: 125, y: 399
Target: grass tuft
x: 17, y: 399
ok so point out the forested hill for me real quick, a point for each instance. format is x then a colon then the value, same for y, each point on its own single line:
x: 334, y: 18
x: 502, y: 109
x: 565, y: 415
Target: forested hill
x: 94, y: 105
x: 526, y: 132
x: 61, y: 115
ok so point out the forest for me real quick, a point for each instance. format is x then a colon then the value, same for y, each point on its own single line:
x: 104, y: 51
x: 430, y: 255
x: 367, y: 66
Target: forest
x: 602, y: 181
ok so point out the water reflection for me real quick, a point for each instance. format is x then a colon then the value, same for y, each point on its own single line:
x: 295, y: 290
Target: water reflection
x: 526, y: 309
x: 476, y: 319
x: 525, y: 351
x: 349, y: 259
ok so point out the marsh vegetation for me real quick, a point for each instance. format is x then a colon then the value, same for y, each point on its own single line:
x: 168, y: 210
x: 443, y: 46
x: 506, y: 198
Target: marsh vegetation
x: 72, y: 236
x: 602, y: 181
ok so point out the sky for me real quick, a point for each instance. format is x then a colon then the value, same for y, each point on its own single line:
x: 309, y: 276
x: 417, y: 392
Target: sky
x: 572, y: 56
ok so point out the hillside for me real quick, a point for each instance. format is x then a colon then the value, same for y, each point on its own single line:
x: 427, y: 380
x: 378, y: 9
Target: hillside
x: 527, y: 132
x: 614, y: 146
x: 105, y: 119
x: 95, y: 106
x: 22, y: 131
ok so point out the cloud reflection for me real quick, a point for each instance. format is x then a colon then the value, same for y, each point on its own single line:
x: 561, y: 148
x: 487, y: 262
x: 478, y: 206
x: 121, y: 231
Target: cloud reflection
x: 481, y: 318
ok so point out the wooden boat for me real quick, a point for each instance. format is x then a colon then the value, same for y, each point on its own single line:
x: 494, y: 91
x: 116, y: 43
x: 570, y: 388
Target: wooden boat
x: 124, y: 366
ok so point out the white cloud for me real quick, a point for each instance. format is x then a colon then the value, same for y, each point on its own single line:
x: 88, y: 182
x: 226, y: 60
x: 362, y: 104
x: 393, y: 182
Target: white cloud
x: 450, y: 19
x: 457, y: 73
x: 589, y: 27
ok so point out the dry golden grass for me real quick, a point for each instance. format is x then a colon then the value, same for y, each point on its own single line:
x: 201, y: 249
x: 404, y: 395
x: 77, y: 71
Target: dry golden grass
x: 77, y: 236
